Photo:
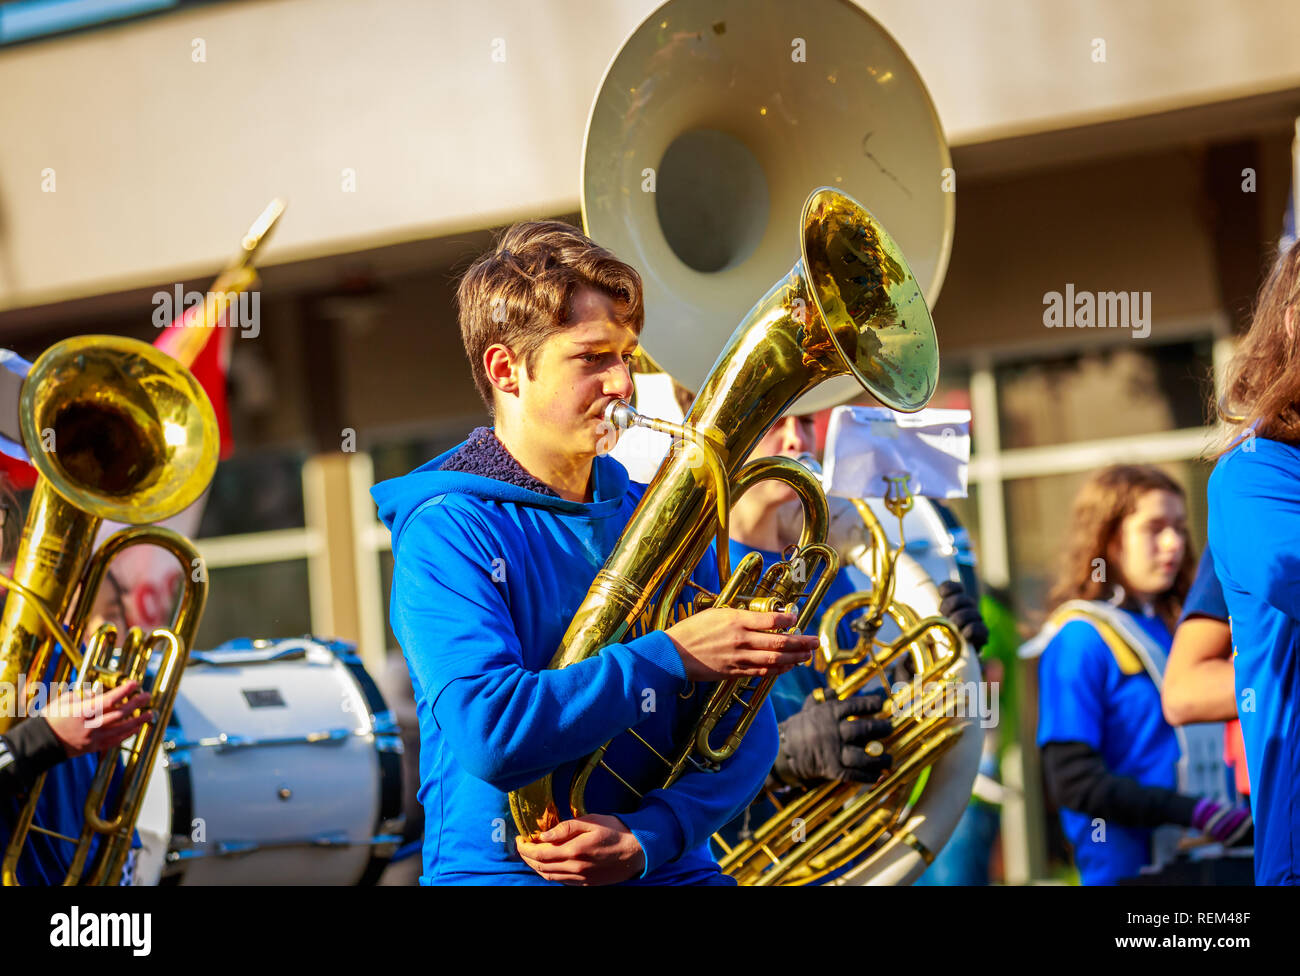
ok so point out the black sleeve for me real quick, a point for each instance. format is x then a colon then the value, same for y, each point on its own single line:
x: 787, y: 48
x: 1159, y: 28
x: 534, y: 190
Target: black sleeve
x: 27, y: 750
x: 1077, y: 778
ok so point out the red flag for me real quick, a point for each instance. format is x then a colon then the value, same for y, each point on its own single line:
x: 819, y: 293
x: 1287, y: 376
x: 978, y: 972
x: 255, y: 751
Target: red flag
x: 210, y: 369
x: 20, y: 474
x: 200, y: 339
x: 197, y: 338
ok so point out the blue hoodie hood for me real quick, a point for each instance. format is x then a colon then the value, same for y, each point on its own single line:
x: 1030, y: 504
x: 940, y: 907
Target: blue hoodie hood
x: 400, y: 498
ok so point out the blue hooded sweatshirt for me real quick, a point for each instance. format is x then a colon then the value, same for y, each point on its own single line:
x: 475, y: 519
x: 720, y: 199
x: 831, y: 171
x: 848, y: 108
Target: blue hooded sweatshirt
x: 487, y: 576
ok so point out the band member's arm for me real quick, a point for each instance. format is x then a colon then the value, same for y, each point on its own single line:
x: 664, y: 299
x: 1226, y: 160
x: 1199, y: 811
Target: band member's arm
x: 27, y: 750
x: 681, y: 818
x: 506, y: 724
x: 1076, y: 674
x: 1077, y: 778
x: 74, y: 724
x: 1199, y: 684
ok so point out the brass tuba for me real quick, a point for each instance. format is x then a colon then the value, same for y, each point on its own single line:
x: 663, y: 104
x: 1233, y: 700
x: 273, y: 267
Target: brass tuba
x: 849, y: 307
x: 117, y: 430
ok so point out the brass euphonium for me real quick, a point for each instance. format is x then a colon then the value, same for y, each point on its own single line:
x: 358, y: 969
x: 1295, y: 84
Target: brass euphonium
x: 116, y: 430
x: 849, y: 307
x: 887, y: 832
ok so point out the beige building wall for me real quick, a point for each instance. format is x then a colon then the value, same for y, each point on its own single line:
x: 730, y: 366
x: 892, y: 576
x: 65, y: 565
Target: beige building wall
x: 406, y: 120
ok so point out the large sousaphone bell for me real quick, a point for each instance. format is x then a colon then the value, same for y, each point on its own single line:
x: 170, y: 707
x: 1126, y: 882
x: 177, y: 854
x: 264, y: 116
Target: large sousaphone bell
x: 712, y: 124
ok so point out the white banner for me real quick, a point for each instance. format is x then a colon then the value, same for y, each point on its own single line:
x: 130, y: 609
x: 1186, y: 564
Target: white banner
x: 864, y: 445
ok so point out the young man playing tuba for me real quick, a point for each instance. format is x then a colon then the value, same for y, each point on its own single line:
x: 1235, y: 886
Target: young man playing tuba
x: 496, y: 543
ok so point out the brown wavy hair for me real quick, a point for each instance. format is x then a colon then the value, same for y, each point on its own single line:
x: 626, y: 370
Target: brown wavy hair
x: 1104, y: 501
x: 519, y: 292
x: 1263, y: 381
x: 13, y: 520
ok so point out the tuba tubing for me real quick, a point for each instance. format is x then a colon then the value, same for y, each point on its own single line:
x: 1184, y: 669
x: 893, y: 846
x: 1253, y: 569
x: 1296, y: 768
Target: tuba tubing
x: 902, y: 859
x: 952, y: 751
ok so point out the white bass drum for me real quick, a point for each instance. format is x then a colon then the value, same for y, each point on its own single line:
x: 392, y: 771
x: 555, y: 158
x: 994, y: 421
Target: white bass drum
x: 282, y: 766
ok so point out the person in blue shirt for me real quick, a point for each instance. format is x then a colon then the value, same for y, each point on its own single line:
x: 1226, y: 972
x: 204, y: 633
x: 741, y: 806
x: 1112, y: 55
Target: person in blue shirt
x: 64, y: 741
x: 495, y: 545
x: 1254, y: 528
x: 1110, y: 759
x: 76, y: 723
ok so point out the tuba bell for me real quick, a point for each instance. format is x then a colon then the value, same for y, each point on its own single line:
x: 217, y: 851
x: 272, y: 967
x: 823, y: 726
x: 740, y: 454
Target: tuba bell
x: 116, y: 430
x: 714, y: 120
x: 849, y: 307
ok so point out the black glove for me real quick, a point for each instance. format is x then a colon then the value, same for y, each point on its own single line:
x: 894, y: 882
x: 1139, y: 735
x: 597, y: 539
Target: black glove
x: 964, y: 612
x: 820, y: 742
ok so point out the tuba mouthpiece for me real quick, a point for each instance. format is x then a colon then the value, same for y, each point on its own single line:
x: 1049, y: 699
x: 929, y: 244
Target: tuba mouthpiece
x: 810, y: 462
x: 621, y: 415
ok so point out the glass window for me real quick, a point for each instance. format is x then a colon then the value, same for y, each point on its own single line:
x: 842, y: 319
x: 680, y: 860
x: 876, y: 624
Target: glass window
x: 400, y: 457
x: 953, y: 392
x: 386, y: 575
x: 967, y: 511
x: 256, y: 491
x: 253, y: 492
x: 1114, y: 392
x: 263, y: 600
